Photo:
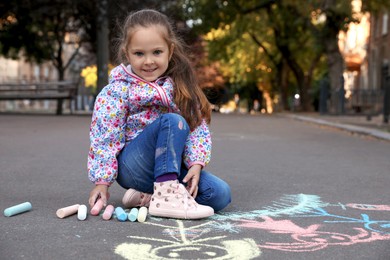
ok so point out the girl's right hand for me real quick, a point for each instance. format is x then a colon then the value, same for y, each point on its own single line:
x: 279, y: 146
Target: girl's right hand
x: 100, y: 191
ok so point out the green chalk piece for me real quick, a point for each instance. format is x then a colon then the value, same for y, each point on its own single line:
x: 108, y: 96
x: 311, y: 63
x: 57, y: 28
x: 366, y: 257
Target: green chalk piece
x: 133, y: 214
x: 17, y: 209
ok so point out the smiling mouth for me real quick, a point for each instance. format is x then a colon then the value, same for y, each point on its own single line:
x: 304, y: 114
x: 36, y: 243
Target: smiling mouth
x: 150, y: 70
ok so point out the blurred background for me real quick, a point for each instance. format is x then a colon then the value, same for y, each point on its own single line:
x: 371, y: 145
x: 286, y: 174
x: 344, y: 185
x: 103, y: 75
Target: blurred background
x: 264, y: 56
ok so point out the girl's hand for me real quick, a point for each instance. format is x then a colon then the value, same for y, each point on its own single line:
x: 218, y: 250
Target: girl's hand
x: 192, y: 179
x: 100, y: 191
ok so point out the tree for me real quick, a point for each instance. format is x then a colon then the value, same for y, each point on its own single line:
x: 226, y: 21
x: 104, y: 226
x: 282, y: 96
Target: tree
x: 297, y: 33
x: 263, y: 40
x: 40, y: 30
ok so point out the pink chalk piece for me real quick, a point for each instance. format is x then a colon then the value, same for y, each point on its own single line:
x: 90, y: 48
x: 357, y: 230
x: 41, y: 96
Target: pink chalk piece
x: 97, y: 207
x: 108, y: 212
x: 369, y: 207
x: 67, y: 211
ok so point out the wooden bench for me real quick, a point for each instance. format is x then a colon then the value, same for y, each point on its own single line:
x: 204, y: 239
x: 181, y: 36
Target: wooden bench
x: 59, y: 91
x: 361, y: 108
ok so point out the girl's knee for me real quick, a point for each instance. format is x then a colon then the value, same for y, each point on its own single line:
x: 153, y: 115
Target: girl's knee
x: 217, y: 197
x: 176, y: 120
x: 222, y: 197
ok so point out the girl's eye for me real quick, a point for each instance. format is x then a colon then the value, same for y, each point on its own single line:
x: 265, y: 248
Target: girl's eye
x: 157, y: 52
x: 138, y: 53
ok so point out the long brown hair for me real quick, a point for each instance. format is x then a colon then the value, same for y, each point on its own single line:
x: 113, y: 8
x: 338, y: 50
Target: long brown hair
x: 188, y: 96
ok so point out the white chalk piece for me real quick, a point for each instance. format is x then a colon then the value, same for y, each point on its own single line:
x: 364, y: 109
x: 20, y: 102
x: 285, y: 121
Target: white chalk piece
x: 82, y: 212
x: 97, y: 207
x: 17, y: 209
x: 133, y: 214
x: 120, y: 214
x: 142, y: 213
x: 108, y: 212
x: 67, y: 211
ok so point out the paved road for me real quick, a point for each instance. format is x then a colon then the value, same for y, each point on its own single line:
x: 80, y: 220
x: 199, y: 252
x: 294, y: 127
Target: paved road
x: 300, y: 191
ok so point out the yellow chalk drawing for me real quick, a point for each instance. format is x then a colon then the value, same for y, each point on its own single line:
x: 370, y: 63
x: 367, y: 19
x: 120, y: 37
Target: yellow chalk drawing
x: 185, y: 245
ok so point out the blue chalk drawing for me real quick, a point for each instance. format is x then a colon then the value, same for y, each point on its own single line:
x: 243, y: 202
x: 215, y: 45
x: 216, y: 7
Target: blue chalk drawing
x: 288, y: 205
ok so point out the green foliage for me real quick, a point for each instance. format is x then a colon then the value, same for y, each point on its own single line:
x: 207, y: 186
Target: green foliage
x: 252, y: 39
x: 375, y: 6
x: 38, y: 28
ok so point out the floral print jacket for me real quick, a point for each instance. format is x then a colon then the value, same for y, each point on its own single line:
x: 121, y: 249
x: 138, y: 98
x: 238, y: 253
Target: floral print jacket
x: 122, y: 110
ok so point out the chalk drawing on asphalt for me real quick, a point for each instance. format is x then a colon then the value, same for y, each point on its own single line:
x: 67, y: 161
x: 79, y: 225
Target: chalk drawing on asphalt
x: 274, y: 227
x: 287, y: 205
x: 186, y: 242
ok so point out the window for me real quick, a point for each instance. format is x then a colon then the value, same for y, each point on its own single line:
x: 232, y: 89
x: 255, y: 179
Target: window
x: 385, y: 22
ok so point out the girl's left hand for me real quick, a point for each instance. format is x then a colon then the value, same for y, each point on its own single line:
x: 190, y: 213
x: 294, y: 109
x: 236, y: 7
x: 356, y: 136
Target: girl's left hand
x: 192, y: 179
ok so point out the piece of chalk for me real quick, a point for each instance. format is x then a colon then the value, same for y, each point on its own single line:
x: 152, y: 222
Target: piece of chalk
x: 17, y: 209
x: 120, y: 214
x: 82, y: 212
x: 142, y: 213
x: 67, y: 211
x: 133, y: 214
x: 97, y: 207
x: 108, y: 212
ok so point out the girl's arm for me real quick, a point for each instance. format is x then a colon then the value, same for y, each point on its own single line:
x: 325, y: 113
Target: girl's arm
x: 197, y: 150
x: 107, y: 133
x: 100, y: 191
x: 192, y: 179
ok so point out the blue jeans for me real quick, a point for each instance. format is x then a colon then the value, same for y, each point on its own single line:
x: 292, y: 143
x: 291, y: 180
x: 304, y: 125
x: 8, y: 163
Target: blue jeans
x: 159, y: 150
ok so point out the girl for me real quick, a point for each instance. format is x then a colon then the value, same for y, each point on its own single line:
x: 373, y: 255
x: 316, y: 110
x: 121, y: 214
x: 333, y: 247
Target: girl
x: 149, y: 129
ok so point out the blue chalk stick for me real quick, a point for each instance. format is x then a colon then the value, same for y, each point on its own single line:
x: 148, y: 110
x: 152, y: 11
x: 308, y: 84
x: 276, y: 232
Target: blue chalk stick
x: 133, y: 214
x: 120, y: 214
x: 20, y: 208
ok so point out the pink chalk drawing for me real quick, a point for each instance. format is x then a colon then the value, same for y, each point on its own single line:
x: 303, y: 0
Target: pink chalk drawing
x: 369, y: 207
x: 328, y: 225
x: 310, y: 238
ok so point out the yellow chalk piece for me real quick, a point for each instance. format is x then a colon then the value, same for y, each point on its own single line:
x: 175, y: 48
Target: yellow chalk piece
x: 142, y: 213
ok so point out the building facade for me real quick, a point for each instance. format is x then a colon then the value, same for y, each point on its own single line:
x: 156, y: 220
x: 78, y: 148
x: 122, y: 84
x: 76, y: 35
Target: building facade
x: 379, y: 50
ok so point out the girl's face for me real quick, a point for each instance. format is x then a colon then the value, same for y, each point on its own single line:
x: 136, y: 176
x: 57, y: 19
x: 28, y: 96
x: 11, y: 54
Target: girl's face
x: 148, y: 53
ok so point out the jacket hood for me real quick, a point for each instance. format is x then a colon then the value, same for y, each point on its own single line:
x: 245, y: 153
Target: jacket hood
x: 122, y: 73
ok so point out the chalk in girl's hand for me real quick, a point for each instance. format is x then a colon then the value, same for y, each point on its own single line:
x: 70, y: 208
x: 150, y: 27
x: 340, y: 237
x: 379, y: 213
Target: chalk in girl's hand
x: 82, y: 212
x: 108, y: 212
x: 142, y: 213
x: 120, y: 214
x: 97, y: 207
x: 67, y: 211
x: 133, y: 214
x: 20, y: 208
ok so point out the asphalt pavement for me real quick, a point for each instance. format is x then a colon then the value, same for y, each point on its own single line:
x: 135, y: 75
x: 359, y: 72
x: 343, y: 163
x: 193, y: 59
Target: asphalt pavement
x: 373, y: 126
x: 301, y: 190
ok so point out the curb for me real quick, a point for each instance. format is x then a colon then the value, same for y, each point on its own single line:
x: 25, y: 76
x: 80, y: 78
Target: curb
x: 347, y: 127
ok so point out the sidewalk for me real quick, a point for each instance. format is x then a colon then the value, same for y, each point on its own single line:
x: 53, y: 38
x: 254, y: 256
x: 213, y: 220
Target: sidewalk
x: 299, y: 192
x: 355, y: 124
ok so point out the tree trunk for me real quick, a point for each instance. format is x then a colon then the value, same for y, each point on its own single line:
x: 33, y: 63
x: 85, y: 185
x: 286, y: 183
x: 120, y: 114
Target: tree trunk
x: 282, y: 82
x: 334, y: 58
x: 336, y: 69
x: 102, y: 45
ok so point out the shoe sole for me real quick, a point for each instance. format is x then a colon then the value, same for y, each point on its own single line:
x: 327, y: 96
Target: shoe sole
x: 175, y: 214
x: 129, y: 198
